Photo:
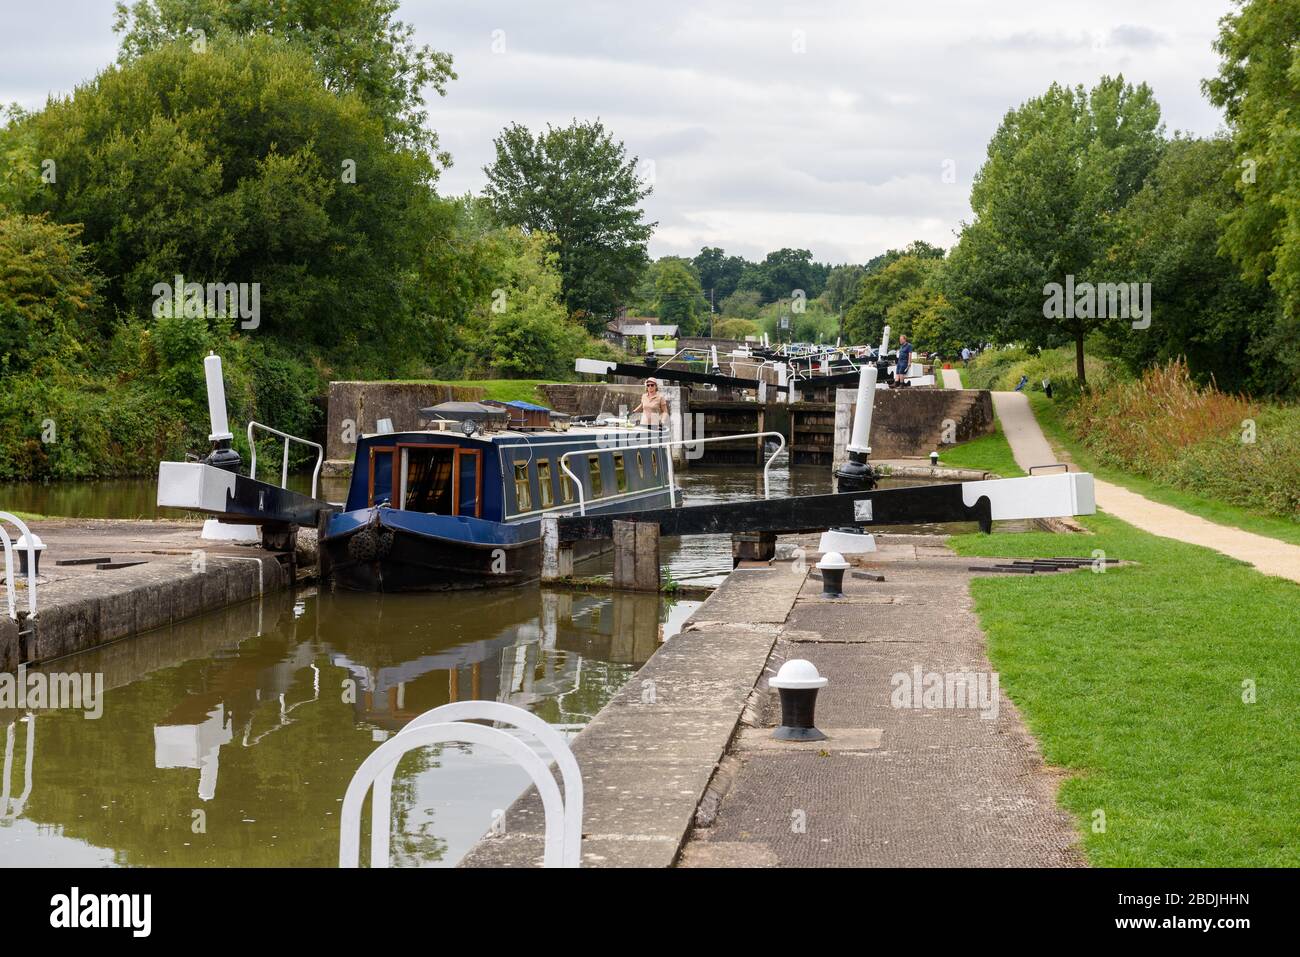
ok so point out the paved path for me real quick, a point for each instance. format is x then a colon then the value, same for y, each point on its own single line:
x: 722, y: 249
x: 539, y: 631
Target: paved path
x: 892, y: 786
x: 1030, y: 447
x: 951, y: 379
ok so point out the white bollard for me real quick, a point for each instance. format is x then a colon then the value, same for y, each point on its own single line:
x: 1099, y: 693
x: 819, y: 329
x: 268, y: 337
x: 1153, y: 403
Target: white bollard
x: 216, y: 399
x: 861, y: 438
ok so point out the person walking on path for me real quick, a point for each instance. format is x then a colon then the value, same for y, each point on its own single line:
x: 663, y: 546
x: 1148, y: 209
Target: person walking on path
x: 965, y: 355
x: 653, y: 406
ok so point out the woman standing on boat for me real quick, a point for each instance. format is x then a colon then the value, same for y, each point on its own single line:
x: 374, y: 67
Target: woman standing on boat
x: 653, y: 407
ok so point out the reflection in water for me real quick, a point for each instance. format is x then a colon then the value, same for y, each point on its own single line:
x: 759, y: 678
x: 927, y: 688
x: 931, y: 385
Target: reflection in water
x: 230, y: 739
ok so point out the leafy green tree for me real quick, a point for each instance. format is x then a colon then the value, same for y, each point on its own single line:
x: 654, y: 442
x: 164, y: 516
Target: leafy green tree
x: 1059, y: 169
x: 881, y: 292
x: 47, y: 285
x: 1205, y: 312
x: 718, y: 272
x: 842, y: 286
x: 357, y: 45
x: 1258, y: 87
x: 782, y: 272
x: 742, y: 304
x: 239, y: 165
x: 577, y: 184
x: 734, y: 329
x: 678, y: 297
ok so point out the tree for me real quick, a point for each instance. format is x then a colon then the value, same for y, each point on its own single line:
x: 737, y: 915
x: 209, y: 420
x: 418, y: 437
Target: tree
x: 842, y: 286
x: 357, y: 45
x: 577, y: 184
x: 1258, y: 87
x: 47, y: 284
x: 734, y: 329
x: 1170, y: 233
x: 719, y: 273
x: 782, y: 272
x: 233, y: 166
x: 1059, y: 169
x: 742, y: 304
x: 678, y: 296
x: 934, y: 324
x: 880, y: 293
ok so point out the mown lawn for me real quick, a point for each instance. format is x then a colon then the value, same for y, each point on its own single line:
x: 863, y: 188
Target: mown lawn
x: 989, y: 452
x: 503, y: 390
x: 1049, y: 416
x: 1133, y: 681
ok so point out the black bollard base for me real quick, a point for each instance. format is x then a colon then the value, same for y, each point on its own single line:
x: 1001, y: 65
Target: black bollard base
x: 223, y: 456
x: 22, y: 561
x: 798, y: 707
x: 855, y: 475
x: 832, y: 582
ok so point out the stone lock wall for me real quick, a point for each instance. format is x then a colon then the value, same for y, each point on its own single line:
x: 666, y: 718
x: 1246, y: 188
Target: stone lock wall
x: 909, y: 423
x: 363, y: 403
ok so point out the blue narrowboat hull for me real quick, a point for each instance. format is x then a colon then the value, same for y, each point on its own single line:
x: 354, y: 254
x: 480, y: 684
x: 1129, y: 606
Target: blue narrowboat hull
x: 389, y: 550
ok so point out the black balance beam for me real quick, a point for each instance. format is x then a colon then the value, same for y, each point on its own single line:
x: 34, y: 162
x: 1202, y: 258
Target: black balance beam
x: 918, y: 505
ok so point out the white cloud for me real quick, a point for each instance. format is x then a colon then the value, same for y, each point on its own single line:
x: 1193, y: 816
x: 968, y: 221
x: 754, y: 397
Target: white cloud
x: 839, y: 149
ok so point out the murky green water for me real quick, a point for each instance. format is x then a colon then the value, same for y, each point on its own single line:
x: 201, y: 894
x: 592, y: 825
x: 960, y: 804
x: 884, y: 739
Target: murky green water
x: 230, y: 739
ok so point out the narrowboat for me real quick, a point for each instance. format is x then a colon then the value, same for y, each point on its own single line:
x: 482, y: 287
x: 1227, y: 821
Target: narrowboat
x: 461, y: 505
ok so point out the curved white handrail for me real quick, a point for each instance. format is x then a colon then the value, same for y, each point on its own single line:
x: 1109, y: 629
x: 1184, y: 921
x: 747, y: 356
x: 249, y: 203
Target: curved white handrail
x: 582, y: 499
x: 11, y: 593
x: 284, y: 470
x: 392, y: 750
x: 380, y: 805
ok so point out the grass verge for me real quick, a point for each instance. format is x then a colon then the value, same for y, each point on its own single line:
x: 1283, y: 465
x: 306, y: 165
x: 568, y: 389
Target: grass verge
x: 1134, y: 681
x: 1050, y: 418
x: 502, y: 390
x: 991, y: 453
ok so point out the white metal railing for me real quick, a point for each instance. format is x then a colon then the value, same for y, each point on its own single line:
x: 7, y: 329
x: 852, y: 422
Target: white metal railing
x: 10, y: 591
x: 582, y: 497
x: 284, y: 470
x: 451, y: 722
x: 501, y: 713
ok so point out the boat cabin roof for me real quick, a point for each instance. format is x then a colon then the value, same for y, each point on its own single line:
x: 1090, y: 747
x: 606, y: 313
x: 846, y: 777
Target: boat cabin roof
x: 514, y: 436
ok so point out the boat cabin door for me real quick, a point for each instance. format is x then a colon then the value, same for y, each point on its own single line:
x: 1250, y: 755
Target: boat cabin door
x: 439, y: 479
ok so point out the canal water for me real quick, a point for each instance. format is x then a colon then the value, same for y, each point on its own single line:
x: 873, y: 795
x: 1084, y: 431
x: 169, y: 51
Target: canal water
x: 230, y: 739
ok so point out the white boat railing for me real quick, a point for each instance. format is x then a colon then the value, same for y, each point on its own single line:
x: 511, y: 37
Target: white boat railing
x: 284, y: 469
x: 10, y: 592
x: 452, y: 722
x: 664, y: 444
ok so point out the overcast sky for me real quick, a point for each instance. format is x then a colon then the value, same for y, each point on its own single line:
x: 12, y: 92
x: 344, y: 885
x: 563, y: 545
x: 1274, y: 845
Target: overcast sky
x: 825, y: 125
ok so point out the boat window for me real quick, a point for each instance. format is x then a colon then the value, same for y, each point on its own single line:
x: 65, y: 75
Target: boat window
x: 640, y: 465
x: 654, y: 462
x: 428, y: 483
x: 566, y: 487
x: 620, y: 472
x: 544, y: 486
x: 469, y: 501
x: 523, y: 498
x: 597, y: 487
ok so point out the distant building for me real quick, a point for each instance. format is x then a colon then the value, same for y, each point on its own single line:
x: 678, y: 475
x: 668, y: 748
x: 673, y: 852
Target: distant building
x: 629, y: 332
